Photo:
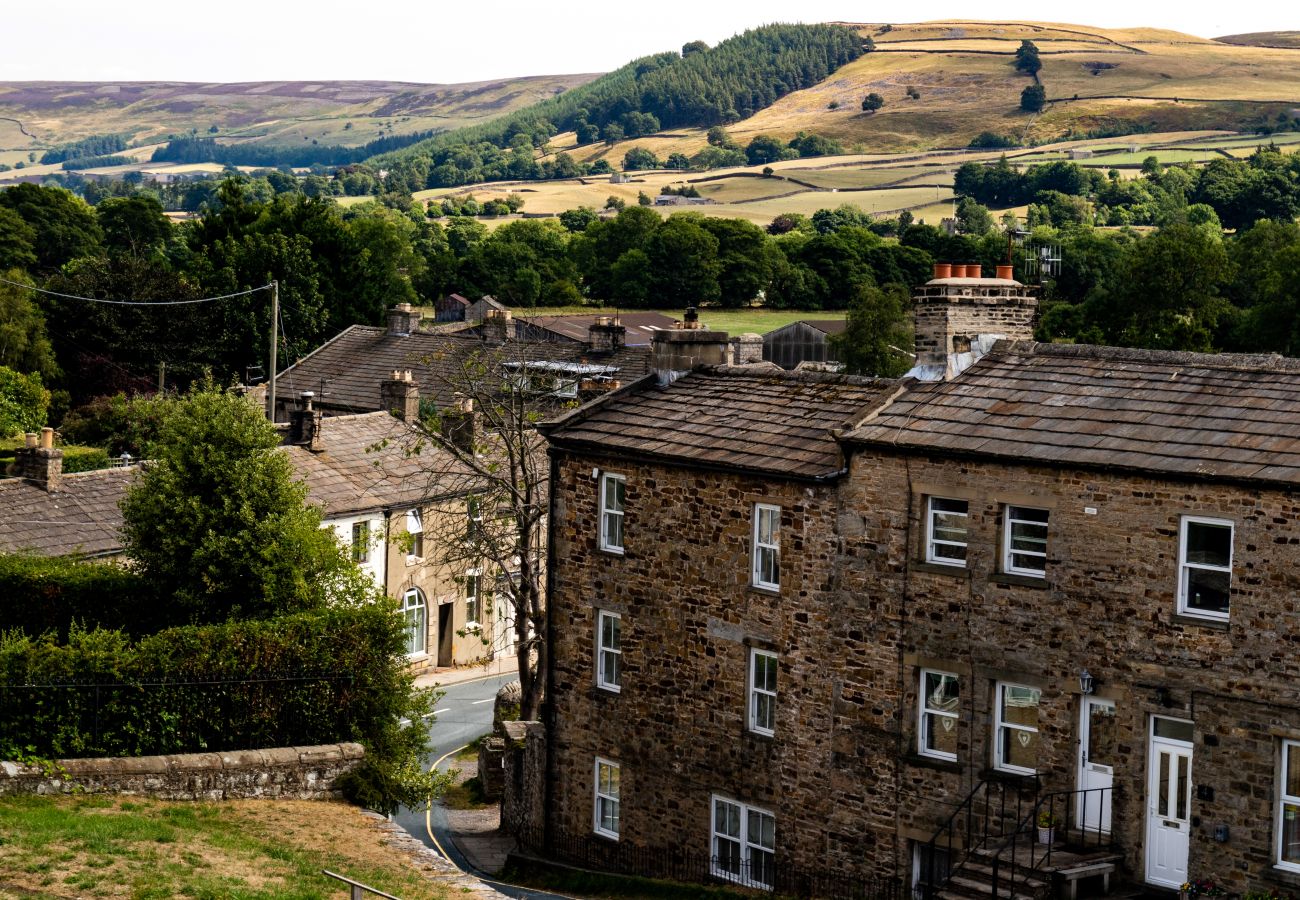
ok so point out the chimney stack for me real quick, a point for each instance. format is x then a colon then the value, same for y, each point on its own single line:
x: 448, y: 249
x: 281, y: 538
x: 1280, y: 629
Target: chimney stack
x: 402, y: 320
x: 746, y: 349
x: 606, y: 335
x: 956, y: 321
x: 305, y: 424
x: 39, y: 461
x: 675, y: 351
x: 400, y: 395
x: 498, y: 326
x: 460, y: 424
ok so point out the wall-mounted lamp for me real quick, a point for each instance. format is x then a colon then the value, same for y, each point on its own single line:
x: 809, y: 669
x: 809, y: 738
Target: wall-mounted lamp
x: 1085, y: 682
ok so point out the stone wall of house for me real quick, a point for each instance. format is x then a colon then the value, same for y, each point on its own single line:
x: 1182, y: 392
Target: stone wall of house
x: 942, y: 313
x: 297, y: 773
x: 1107, y: 604
x: 678, y: 728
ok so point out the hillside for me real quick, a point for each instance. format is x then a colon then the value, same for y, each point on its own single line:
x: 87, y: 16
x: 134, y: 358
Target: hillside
x: 1285, y: 39
x: 35, y: 116
x: 1097, y: 80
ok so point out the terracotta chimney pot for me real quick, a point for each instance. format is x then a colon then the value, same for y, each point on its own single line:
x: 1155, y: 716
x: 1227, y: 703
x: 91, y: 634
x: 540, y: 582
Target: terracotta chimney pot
x: 942, y: 270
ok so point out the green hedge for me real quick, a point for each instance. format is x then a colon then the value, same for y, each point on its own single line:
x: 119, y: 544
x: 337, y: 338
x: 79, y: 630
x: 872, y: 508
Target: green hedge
x: 39, y: 594
x: 75, y: 458
x: 312, y: 678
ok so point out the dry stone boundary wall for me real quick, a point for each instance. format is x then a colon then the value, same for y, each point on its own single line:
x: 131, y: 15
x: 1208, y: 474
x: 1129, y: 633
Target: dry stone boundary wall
x: 288, y: 773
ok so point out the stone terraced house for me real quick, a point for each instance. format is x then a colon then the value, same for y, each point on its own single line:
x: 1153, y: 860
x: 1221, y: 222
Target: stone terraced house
x: 813, y: 624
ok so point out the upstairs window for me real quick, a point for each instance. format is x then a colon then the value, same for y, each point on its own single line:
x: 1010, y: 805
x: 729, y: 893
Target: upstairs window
x: 1205, y: 567
x: 937, y: 732
x: 946, y: 533
x: 606, y: 812
x: 612, y: 492
x: 767, y: 547
x: 744, y: 843
x: 609, y: 651
x: 361, y: 542
x: 1015, y: 747
x: 762, y: 692
x: 415, y: 528
x: 1025, y: 542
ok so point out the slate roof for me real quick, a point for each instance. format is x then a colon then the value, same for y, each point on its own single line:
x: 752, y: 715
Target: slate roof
x: 353, y: 364
x: 639, y: 327
x: 1205, y: 415
x: 83, y: 518
x: 825, y: 326
x: 753, y: 418
x: 348, y: 476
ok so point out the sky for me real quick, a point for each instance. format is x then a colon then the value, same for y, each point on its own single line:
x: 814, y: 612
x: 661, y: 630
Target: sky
x: 437, y: 41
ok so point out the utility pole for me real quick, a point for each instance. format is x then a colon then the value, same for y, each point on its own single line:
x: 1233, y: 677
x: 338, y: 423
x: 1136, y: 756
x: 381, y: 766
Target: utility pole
x: 275, y: 344
x: 162, y: 376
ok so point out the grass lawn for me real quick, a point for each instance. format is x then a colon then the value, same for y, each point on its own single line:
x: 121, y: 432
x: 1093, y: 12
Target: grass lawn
x: 96, y: 846
x: 732, y: 321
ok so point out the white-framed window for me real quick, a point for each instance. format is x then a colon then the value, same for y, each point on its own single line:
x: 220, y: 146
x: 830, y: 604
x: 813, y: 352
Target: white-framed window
x: 945, y: 535
x: 605, y: 808
x: 609, y: 650
x: 939, y: 697
x: 613, y: 490
x: 1204, y: 567
x: 473, y: 600
x: 744, y: 843
x: 1024, y: 541
x: 1015, y: 728
x: 415, y: 612
x: 361, y: 542
x: 767, y: 547
x: 415, y: 528
x: 1288, y: 808
x: 762, y: 692
x: 929, y: 870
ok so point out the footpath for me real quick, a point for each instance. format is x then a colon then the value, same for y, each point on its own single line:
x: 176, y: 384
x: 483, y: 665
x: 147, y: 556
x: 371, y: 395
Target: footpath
x: 442, y: 677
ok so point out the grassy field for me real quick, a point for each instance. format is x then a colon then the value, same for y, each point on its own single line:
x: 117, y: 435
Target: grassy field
x: 732, y: 321
x: 94, y: 846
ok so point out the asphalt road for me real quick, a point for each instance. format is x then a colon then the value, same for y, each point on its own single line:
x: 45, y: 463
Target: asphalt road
x: 463, y: 714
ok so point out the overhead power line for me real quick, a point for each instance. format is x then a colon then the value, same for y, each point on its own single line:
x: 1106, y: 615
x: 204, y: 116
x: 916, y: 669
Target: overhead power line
x: 265, y: 287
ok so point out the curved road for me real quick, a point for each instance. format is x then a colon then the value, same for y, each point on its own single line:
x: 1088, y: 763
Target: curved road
x: 463, y: 714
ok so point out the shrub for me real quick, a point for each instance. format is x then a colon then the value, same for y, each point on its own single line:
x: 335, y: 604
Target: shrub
x: 40, y: 594
x: 84, y: 459
x: 23, y: 402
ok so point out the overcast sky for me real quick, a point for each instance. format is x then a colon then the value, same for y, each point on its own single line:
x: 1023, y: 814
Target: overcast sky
x: 462, y: 40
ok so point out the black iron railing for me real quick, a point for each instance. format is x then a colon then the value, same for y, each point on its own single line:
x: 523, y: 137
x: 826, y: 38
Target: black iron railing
x: 1059, y: 821
x: 758, y: 873
x: 991, y: 812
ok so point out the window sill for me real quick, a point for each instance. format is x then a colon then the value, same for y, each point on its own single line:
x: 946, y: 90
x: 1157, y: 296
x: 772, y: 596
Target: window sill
x: 1006, y: 579
x: 931, y: 568
x: 1024, y: 778
x: 414, y: 560
x: 603, y: 694
x: 921, y: 761
x: 761, y: 735
x: 1288, y: 876
x: 613, y: 551
x: 1183, y: 618
x: 605, y: 836
x: 765, y: 591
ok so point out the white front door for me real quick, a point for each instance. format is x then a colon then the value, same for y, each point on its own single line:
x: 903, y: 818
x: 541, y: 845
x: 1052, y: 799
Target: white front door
x: 1169, y: 802
x: 1097, y: 747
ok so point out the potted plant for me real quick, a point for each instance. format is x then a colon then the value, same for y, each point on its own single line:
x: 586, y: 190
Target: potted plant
x: 1047, y: 823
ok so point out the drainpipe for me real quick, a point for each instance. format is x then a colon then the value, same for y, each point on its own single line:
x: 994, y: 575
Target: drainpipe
x: 387, y: 515
x: 548, y: 702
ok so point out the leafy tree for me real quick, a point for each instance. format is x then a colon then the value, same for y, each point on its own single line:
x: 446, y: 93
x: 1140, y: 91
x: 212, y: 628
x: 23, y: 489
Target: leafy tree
x: 684, y: 262
x: 134, y: 225
x: 1033, y: 98
x: 639, y: 158
x: 717, y: 137
x: 24, y: 345
x: 877, y: 336
x: 220, y: 519
x: 24, y: 402
x: 765, y: 149
x: 644, y: 199
x: 973, y: 218
x: 63, y: 225
x: 578, y: 219
x: 745, y: 259
x: 1026, y: 59
x: 694, y: 47
x: 615, y: 202
x: 677, y: 161
x: 17, y: 241
x: 872, y: 102
x: 787, y: 222
x: 806, y: 144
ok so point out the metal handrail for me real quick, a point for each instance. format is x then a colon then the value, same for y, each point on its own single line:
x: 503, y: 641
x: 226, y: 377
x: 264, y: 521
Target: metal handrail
x: 977, y: 821
x: 358, y: 889
x: 1028, y: 827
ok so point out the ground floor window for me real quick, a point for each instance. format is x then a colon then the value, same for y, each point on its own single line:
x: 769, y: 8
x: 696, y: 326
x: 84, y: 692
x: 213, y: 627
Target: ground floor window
x: 415, y: 612
x: 930, y: 869
x: 607, y: 802
x: 1288, y: 813
x: 744, y: 843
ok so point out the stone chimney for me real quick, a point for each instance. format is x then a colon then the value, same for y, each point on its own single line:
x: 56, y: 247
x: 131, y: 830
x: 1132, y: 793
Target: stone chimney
x: 675, y: 351
x: 460, y: 424
x: 305, y: 424
x: 498, y: 326
x: 402, y: 320
x: 39, y: 461
x: 746, y: 348
x: 958, y: 315
x: 400, y: 395
x: 606, y: 335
